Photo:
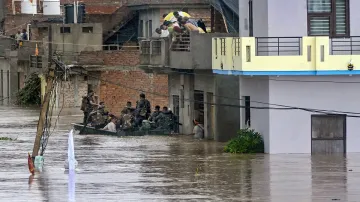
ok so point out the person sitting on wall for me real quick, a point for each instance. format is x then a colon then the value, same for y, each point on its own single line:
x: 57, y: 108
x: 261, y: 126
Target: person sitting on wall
x: 202, y: 25
x: 162, y: 31
x: 189, y: 25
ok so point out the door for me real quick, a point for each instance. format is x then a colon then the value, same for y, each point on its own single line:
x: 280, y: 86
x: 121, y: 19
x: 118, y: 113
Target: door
x: 328, y: 134
x: 176, y: 111
x: 199, y: 105
x: 210, y: 116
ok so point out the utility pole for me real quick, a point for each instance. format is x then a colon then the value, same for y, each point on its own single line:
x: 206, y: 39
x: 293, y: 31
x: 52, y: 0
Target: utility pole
x: 50, y: 76
x: 44, y: 108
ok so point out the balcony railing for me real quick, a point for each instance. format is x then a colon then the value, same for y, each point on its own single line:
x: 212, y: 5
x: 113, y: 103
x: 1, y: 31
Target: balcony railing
x: 271, y: 46
x: 182, y: 52
x: 312, y: 55
x: 181, y: 43
x: 345, y: 46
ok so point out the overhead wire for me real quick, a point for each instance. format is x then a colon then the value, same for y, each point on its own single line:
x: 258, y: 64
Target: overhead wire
x: 281, y: 107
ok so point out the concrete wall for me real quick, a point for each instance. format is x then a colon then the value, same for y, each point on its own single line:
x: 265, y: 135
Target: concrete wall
x: 289, y: 131
x: 258, y: 90
x: 73, y: 43
x: 227, y: 116
x: 295, y: 137
x: 9, y: 84
x: 150, y: 14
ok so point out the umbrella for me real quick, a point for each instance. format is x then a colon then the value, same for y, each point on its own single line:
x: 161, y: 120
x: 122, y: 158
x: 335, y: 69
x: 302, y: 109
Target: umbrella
x: 171, y: 15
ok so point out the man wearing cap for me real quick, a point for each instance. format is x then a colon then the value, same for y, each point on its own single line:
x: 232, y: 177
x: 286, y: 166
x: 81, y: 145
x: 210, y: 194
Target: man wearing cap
x: 88, y: 106
x: 143, y: 110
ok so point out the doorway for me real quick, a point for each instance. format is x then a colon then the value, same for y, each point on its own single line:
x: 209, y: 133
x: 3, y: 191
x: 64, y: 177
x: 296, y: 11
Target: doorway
x: 210, y: 116
x: 199, y: 105
x: 328, y: 134
x: 176, y: 111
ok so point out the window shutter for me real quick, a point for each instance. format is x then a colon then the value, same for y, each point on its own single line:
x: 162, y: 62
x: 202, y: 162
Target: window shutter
x: 319, y: 26
x: 340, y: 17
x: 319, y: 6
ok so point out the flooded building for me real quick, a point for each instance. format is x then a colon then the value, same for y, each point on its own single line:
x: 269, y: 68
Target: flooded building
x: 102, y: 44
x: 298, y: 71
x: 194, y: 91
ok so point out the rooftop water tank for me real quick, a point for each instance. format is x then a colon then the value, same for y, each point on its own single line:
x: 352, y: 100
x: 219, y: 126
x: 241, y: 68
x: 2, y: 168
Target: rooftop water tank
x: 51, y: 7
x: 69, y: 13
x: 28, y: 8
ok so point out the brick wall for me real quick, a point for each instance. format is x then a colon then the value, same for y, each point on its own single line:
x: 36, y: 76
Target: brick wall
x: 13, y: 23
x: 125, y: 85
x: 126, y: 58
x: 71, y: 92
x: 91, y: 6
x: 124, y: 81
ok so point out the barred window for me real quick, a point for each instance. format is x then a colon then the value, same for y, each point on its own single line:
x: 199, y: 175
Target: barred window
x: 328, y: 18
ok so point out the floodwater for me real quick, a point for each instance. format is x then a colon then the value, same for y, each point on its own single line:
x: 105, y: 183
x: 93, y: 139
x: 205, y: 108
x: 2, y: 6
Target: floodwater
x: 162, y: 169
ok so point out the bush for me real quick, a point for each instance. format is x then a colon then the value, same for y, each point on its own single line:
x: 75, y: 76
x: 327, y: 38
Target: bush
x: 247, y: 141
x: 31, y: 93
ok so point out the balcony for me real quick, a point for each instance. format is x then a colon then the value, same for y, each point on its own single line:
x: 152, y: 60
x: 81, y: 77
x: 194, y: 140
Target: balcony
x: 188, y: 52
x: 144, y: 4
x: 286, y: 56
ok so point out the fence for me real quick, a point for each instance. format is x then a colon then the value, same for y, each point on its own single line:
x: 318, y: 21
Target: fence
x: 276, y: 46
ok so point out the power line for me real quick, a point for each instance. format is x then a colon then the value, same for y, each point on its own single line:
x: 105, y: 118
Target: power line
x: 321, y: 111
x: 225, y: 97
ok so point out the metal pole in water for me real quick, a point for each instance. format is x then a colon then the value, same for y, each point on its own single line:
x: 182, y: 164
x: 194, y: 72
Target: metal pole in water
x: 71, y: 152
x: 42, y: 117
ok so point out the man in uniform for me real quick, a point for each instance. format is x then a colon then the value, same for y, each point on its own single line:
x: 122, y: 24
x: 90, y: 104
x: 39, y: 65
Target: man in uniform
x: 87, y: 106
x: 100, y: 116
x: 165, y: 120
x: 143, y: 110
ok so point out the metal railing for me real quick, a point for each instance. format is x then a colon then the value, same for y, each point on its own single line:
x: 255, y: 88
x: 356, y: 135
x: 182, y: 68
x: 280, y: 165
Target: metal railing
x: 114, y: 47
x: 145, y: 47
x: 345, y: 46
x: 181, y: 43
x: 278, y: 46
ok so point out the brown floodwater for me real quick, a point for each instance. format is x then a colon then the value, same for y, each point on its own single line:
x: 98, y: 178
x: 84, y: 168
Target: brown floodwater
x: 162, y: 169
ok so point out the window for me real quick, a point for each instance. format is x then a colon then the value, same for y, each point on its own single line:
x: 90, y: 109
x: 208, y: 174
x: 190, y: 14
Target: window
x: 87, y: 29
x: 251, y: 19
x: 237, y: 46
x: 145, y: 47
x: 156, y: 47
x: 65, y: 30
x: 247, y: 110
x: 150, y: 28
x: 222, y: 46
x: 176, y: 103
x: 146, y: 29
x: 141, y: 28
x: 328, y: 18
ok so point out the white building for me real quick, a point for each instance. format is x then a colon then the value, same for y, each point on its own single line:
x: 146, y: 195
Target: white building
x: 298, y: 55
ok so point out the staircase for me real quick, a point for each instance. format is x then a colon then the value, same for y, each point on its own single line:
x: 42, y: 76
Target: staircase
x: 121, y: 17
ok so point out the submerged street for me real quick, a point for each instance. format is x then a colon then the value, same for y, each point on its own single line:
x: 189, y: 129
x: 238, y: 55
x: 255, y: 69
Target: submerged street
x: 162, y: 169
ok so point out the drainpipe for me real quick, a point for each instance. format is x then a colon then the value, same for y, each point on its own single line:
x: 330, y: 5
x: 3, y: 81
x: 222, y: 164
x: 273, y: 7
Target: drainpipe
x: 75, y: 11
x: 28, y: 31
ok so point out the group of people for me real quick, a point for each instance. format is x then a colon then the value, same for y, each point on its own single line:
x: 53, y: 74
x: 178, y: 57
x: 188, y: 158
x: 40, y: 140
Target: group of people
x: 20, y: 37
x: 178, y: 23
x: 141, y: 117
